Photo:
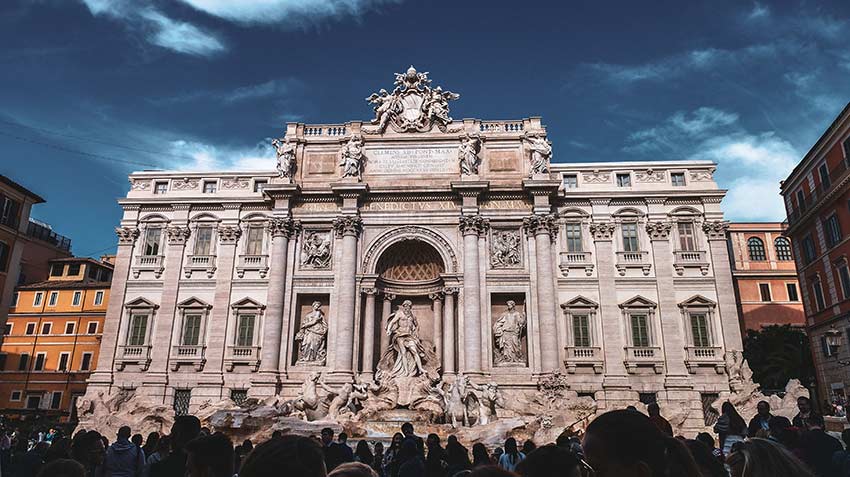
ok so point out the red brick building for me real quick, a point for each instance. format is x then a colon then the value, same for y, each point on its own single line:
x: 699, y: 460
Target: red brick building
x: 765, y: 276
x: 817, y: 199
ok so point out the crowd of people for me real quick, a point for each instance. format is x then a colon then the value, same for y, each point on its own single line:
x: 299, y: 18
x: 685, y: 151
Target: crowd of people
x: 617, y: 443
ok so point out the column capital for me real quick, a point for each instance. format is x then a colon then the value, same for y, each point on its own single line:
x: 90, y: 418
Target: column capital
x: 229, y: 234
x: 602, y: 231
x: 715, y: 229
x: 436, y: 296
x: 388, y: 296
x: 537, y: 224
x: 473, y: 224
x: 370, y: 291
x: 126, y: 235
x: 451, y: 290
x: 659, y: 230
x: 348, y: 225
x: 177, y: 235
x: 283, y: 227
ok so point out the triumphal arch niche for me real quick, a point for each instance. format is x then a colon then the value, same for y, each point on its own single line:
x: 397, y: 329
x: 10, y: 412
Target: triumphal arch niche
x: 420, y: 267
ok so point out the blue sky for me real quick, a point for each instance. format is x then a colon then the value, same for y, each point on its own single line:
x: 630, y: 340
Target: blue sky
x: 91, y: 90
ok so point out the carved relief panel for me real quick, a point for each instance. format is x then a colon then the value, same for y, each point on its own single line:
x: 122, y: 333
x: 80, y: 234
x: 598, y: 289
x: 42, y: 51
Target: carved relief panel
x: 316, y: 249
x: 505, y: 248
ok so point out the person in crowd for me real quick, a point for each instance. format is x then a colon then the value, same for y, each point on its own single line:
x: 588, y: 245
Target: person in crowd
x: 818, y: 446
x: 528, y: 446
x: 363, y: 454
x: 336, y: 453
x: 841, y: 459
x: 730, y: 427
x: 290, y: 455
x: 5, y: 448
x: 437, y: 461
x: 277, y: 434
x: 626, y: 443
x: 184, y: 429
x: 663, y: 425
x: 51, y: 434
x: 151, y: 444
x: 59, y: 449
x: 761, y: 421
x: 163, y: 447
x: 550, y: 461
x: 137, y: 439
x: 707, y: 463
x: 804, y: 406
x: 708, y: 440
x: 391, y: 455
x: 497, y: 454
x: 410, y: 461
x: 679, y: 460
x: 210, y: 456
x: 205, y: 431
x: 33, y: 460
x: 407, y: 430
x: 87, y: 448
x: 124, y: 458
x: 63, y: 468
x: 342, y: 440
x: 457, y: 456
x: 480, y: 457
x: 758, y: 457
x: 353, y: 469
x: 512, y: 455
x: 490, y: 471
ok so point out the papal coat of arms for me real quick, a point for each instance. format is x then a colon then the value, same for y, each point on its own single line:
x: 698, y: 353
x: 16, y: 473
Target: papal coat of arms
x: 413, y: 105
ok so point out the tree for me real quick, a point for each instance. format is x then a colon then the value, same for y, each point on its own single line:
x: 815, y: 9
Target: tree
x: 779, y: 353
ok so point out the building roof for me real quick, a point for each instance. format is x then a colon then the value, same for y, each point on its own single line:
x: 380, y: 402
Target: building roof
x: 23, y: 190
x: 825, y: 137
x: 63, y: 285
x: 82, y: 259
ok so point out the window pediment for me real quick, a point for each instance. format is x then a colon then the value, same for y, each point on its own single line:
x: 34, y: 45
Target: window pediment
x: 697, y: 301
x: 194, y: 302
x: 638, y: 302
x: 580, y: 302
x: 247, y: 303
x: 141, y: 303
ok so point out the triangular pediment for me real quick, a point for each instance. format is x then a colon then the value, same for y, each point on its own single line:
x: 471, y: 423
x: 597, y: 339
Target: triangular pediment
x: 638, y: 302
x: 580, y: 302
x: 697, y: 300
x: 193, y: 302
x: 140, y: 302
x: 247, y: 303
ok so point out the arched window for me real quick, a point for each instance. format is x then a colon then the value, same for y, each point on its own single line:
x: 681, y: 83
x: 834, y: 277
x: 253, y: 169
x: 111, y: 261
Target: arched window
x: 756, y: 249
x: 783, y: 249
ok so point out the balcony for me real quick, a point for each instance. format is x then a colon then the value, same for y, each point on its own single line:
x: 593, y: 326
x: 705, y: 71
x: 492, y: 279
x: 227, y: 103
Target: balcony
x: 708, y: 356
x: 683, y: 259
x: 581, y: 356
x: 627, y: 260
x: 578, y: 260
x: 149, y: 263
x: 242, y: 355
x: 640, y: 356
x: 199, y: 263
x: 257, y: 263
x: 133, y: 354
x: 192, y: 355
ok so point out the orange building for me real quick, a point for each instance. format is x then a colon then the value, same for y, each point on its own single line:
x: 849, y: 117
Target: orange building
x: 765, y: 276
x: 52, y: 338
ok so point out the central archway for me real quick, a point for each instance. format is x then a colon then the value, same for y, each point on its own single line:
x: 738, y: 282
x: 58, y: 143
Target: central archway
x: 410, y: 261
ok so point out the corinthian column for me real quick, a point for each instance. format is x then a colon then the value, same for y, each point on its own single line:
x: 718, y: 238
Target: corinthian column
x: 385, y: 318
x: 449, y: 330
x: 348, y: 227
x: 437, y: 307
x: 280, y: 229
x: 471, y: 226
x: 612, y: 331
x: 369, y: 332
x: 715, y: 231
x: 543, y: 227
x: 164, y: 323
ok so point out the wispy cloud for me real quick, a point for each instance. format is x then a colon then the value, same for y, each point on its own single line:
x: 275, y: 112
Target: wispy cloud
x: 758, y: 12
x: 275, y: 90
x: 291, y: 13
x: 211, y: 157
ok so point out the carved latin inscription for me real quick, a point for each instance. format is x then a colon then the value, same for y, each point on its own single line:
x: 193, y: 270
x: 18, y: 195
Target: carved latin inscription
x: 412, y: 160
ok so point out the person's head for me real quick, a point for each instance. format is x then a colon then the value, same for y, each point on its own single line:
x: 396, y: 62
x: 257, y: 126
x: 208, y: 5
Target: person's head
x: 63, y: 468
x: 396, y: 442
x: 804, y: 404
x: 528, y: 446
x: 184, y: 429
x: 706, y: 439
x: 137, y: 439
x: 277, y: 434
x: 510, y: 446
x: 625, y: 443
x: 210, y: 456
x: 763, y: 408
x: 497, y: 452
x: 736, y: 422
x: 550, y: 461
x: 289, y: 455
x: 432, y: 440
x: 490, y: 471
x: 124, y: 433
x: 164, y: 445
x: 631, y: 408
x: 247, y: 445
x: 777, y: 424
x: 327, y: 436
x: 60, y: 448
x: 479, y: 454
x: 379, y: 448
x: 407, y: 429
x: 363, y: 451
x: 815, y: 422
x: 152, y: 441
x: 353, y: 469
x: 205, y: 431
x: 678, y: 458
x: 653, y: 409
x: 408, y: 450
x: 88, y: 449
x: 761, y: 457
x: 452, y: 439
x: 343, y: 438
x: 705, y: 460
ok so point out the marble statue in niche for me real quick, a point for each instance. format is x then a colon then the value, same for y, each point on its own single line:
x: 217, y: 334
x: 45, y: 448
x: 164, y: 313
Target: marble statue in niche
x: 468, y: 155
x: 311, y: 335
x: 406, y: 353
x: 508, y: 331
x: 285, y: 157
x: 351, y: 158
x: 316, y: 250
x: 541, y: 154
x: 505, y: 249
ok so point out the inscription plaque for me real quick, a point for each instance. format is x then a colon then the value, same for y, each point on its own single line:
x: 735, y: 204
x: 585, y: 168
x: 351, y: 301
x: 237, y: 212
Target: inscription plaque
x: 411, y: 160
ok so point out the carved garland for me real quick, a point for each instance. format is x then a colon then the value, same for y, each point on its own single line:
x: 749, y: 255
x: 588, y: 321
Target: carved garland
x: 602, y: 231
x: 229, y: 234
x: 177, y: 235
x: 410, y: 231
x: 658, y: 230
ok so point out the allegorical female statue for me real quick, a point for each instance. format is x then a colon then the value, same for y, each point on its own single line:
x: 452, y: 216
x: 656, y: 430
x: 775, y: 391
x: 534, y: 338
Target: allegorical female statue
x: 541, y: 154
x: 311, y: 334
x: 351, y: 158
x: 468, y: 155
x: 405, y: 344
x: 508, y: 330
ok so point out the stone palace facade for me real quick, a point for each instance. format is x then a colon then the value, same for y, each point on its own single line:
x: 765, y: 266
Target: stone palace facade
x: 397, y: 254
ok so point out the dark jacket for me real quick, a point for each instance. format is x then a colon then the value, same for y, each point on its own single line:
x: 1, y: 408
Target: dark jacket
x: 336, y: 454
x: 413, y: 467
x: 757, y: 423
x: 818, y: 448
x: 124, y: 459
x: 172, y: 466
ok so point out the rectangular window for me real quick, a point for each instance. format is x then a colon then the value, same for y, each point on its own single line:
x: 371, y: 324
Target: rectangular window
x: 138, y: 330
x: 38, y: 365
x: 581, y: 331
x: 92, y: 327
x: 191, y: 329
x: 56, y: 400
x: 46, y: 328
x: 699, y: 330
x: 203, y: 241
x: 23, y: 362
x: 33, y: 402
x: 570, y: 181
x: 57, y: 269
x: 844, y: 277
x: 36, y: 301
x: 764, y: 291
x: 30, y: 328
x: 69, y: 328
x: 823, y: 172
x: 833, y: 230
x: 677, y: 179
x: 792, y: 292
x: 574, y: 241
x: 98, y: 297
x: 640, y: 330
x: 801, y: 199
x: 92, y: 272
x: 210, y: 187
x: 15, y: 396
x: 846, y: 146
x: 245, y: 331
x: 687, y: 236
x: 15, y: 297
x: 182, y: 397
x: 153, y: 236
x: 4, y: 256
x: 7, y: 329
x: 624, y: 180
x: 818, y: 291
x: 238, y: 396
x: 260, y: 185
x: 9, y: 212
x: 3, y: 362
x: 254, y: 242
x: 54, y: 298
x: 73, y: 269
x: 63, y: 362
x: 85, y: 362
x: 78, y: 298
x: 160, y: 187
x: 630, y: 237
x: 809, y: 251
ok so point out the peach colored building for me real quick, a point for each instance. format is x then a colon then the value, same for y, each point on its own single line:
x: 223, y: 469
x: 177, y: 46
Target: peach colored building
x: 52, y: 337
x: 765, y: 276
